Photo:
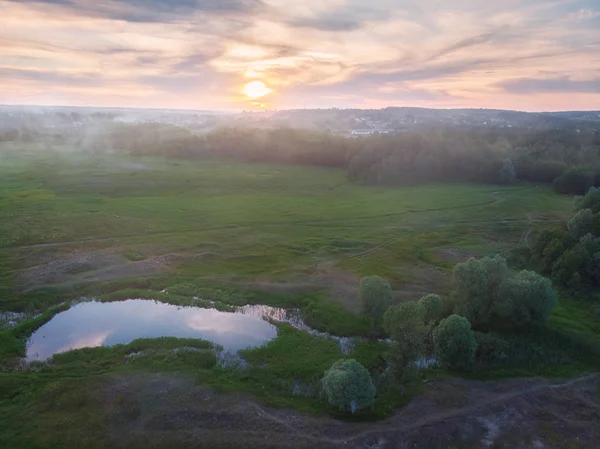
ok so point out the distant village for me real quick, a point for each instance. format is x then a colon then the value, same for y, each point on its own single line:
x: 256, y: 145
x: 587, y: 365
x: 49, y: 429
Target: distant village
x: 346, y: 122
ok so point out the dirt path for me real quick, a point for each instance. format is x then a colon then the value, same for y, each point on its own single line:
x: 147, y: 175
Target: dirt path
x: 511, y: 414
x: 435, y: 418
x: 524, y: 240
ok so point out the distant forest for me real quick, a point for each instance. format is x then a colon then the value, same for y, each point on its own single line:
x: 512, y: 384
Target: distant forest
x: 567, y: 156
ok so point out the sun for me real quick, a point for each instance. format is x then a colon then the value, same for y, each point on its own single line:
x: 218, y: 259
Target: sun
x: 256, y: 89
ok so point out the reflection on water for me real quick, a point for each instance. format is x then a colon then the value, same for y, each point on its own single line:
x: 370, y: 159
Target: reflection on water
x: 91, y: 324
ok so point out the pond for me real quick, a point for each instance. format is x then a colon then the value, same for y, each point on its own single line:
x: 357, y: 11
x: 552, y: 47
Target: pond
x: 91, y: 324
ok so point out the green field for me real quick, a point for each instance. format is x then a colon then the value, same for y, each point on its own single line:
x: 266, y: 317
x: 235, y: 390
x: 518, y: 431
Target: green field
x: 244, y: 224
x: 118, y: 227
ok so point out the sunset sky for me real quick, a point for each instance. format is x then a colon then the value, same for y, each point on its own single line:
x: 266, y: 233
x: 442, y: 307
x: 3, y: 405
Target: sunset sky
x: 281, y: 54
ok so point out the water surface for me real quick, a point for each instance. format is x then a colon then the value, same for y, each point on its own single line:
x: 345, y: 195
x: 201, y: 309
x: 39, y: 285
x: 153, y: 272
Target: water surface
x: 92, y: 324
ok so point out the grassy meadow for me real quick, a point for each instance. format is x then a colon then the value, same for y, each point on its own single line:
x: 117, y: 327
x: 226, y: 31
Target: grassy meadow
x: 116, y: 227
x: 233, y: 223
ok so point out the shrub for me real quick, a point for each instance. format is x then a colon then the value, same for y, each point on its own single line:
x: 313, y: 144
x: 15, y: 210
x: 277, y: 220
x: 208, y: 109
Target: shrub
x: 455, y: 343
x: 404, y: 324
x: 591, y: 200
x: 476, y: 284
x: 525, y: 299
x: 374, y: 297
x: 508, y: 174
x: 548, y: 171
x: 547, y: 236
x: 573, y: 266
x: 490, y: 348
x: 581, y: 223
x: 349, y: 386
x: 551, y: 254
x: 575, y: 180
x: 431, y: 307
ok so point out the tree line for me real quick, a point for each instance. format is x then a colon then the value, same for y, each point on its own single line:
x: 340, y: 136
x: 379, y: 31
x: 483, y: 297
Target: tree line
x: 436, y: 153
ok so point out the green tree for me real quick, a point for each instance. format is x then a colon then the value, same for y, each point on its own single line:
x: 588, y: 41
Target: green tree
x: 491, y: 348
x: 476, y: 284
x: 591, y: 200
x: 374, y: 297
x: 348, y: 386
x: 508, y: 174
x: 581, y: 223
x: 575, y: 180
x: 432, y: 307
x: 571, y: 267
x: 455, y: 343
x: 526, y: 298
x: 404, y: 324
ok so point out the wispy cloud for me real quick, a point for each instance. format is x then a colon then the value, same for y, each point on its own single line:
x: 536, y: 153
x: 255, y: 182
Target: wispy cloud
x: 148, y: 10
x: 561, y: 85
x: 199, y: 53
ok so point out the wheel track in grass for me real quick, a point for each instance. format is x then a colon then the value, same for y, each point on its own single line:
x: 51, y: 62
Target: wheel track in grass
x: 314, y: 222
x: 429, y: 420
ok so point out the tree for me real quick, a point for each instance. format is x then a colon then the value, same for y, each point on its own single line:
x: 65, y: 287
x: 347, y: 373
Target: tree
x: 374, y: 297
x: 547, y: 171
x: 404, y: 324
x: 476, y: 284
x: 432, y: 307
x: 591, y: 200
x: 581, y: 223
x: 491, y: 348
x: 571, y: 267
x: 349, y: 386
x: 526, y: 298
x: 575, y: 180
x: 508, y: 174
x: 455, y: 343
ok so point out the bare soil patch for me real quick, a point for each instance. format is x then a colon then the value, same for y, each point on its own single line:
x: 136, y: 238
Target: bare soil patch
x: 170, y: 411
x: 454, y: 254
x: 90, y: 265
x: 424, y: 279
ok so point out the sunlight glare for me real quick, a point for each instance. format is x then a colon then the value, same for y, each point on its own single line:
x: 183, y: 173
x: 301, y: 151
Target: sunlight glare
x: 256, y: 89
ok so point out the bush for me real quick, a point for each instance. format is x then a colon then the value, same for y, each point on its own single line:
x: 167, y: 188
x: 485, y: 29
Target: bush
x: 573, y: 267
x: 576, y: 181
x: 581, y: 223
x: 508, y: 174
x: 476, y: 284
x: 526, y: 298
x: 548, y: 171
x: 404, y: 324
x: 431, y: 307
x: 455, y: 343
x: 548, y: 235
x: 591, y: 200
x: 349, y: 386
x: 490, y: 348
x: 374, y: 297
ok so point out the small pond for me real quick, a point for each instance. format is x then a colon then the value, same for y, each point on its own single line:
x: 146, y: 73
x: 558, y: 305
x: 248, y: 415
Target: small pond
x: 91, y: 324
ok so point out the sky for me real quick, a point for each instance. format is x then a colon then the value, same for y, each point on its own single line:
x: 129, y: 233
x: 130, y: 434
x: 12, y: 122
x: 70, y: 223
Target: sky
x: 532, y: 55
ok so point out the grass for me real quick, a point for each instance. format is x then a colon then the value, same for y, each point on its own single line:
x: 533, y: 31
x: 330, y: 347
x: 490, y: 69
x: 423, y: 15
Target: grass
x: 12, y: 341
x: 228, y: 222
x: 284, y: 236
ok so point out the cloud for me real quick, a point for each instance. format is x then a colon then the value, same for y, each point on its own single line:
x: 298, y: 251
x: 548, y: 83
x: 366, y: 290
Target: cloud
x: 149, y: 10
x: 350, y: 15
x: 192, y: 62
x: 465, y: 43
x: 549, y: 85
x: 50, y: 77
x: 340, y: 51
x: 331, y: 22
